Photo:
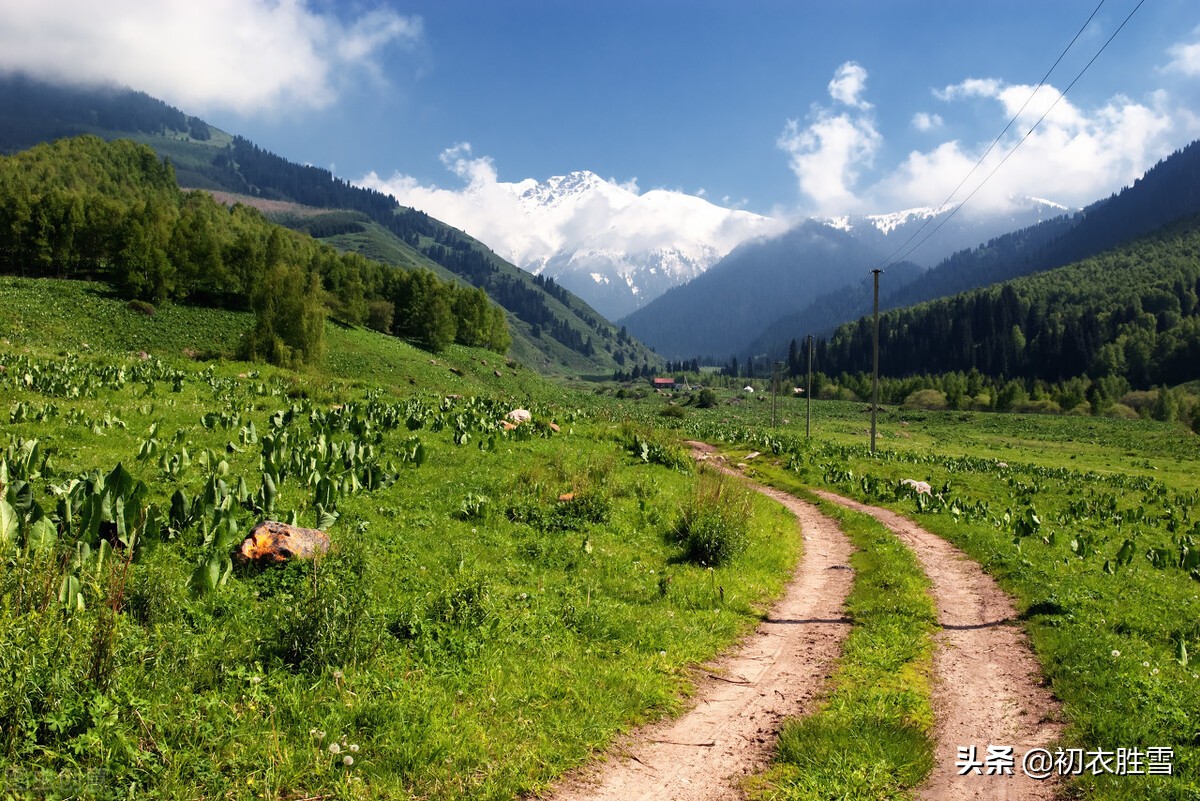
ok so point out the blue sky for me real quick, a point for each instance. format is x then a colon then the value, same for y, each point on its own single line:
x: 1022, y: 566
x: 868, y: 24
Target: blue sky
x: 775, y: 107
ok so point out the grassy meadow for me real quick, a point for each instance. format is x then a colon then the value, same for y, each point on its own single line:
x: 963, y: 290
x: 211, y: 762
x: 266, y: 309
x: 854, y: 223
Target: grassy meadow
x: 498, y: 604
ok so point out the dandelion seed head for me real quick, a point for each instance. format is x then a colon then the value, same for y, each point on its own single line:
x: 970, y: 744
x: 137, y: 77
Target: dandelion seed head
x: 347, y: 760
x: 1145, y: 664
x: 354, y: 748
x: 334, y: 748
x: 1116, y: 653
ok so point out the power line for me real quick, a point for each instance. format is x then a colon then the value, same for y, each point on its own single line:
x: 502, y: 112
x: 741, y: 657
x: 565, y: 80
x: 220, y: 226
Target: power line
x: 891, y: 259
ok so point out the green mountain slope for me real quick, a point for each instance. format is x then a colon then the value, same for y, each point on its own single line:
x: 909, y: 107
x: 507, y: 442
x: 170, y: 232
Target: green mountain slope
x: 552, y: 330
x: 1131, y: 312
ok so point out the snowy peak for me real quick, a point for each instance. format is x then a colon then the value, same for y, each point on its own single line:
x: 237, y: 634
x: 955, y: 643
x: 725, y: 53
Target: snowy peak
x: 564, y: 189
x: 966, y: 229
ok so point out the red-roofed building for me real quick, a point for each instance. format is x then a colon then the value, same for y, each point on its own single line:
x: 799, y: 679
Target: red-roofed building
x: 662, y: 383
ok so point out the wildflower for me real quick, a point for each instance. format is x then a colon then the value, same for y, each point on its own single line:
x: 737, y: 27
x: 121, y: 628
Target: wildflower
x: 334, y: 748
x: 1145, y: 664
x: 1154, y: 672
x: 354, y: 748
x: 1116, y: 653
x: 256, y: 679
x: 347, y: 760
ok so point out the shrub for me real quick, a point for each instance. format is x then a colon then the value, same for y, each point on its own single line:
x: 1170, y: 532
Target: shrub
x: 713, y: 528
x: 926, y: 399
x: 707, y: 400
x: 142, y: 307
x: 673, y: 411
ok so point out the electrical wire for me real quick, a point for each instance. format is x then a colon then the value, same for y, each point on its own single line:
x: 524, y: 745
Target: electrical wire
x: 1028, y: 133
x: 892, y: 258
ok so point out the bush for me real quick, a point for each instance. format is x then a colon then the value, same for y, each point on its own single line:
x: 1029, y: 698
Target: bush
x: 714, y: 528
x: 673, y: 411
x: 707, y: 400
x: 932, y: 399
x: 142, y: 307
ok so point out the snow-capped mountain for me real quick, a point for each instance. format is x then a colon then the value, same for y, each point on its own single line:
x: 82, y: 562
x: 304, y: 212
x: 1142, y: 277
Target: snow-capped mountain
x: 617, y: 248
x: 965, y: 229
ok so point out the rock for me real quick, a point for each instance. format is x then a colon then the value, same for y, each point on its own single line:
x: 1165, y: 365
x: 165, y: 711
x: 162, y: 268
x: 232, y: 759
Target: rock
x: 519, y: 416
x: 921, y: 487
x: 143, y: 355
x: 567, y: 497
x: 554, y: 427
x: 456, y: 371
x: 507, y: 426
x: 273, y: 542
x: 752, y: 455
x: 498, y: 374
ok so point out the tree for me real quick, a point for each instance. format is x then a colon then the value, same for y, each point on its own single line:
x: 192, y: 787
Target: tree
x: 289, y: 318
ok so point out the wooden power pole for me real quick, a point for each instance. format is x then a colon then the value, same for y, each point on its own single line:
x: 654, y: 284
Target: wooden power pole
x: 808, y: 393
x: 875, y: 373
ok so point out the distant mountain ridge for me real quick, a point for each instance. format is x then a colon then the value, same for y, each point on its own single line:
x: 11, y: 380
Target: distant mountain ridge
x: 1167, y: 192
x: 552, y: 329
x: 615, y: 247
x: 721, y: 311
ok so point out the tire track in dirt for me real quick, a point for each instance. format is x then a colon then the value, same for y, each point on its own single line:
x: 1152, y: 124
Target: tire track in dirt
x: 743, y: 698
x: 987, y: 686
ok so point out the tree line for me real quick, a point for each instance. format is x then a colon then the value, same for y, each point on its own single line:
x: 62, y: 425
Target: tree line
x: 88, y: 209
x: 1131, y: 313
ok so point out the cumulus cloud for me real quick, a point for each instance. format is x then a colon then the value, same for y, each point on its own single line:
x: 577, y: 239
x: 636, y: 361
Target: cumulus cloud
x: 245, y: 55
x: 828, y: 154
x: 925, y: 122
x: 1075, y: 156
x: 1185, y: 57
x: 848, y: 84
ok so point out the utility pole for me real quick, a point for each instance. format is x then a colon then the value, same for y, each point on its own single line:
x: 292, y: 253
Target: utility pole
x: 808, y: 393
x: 875, y: 374
x: 774, y: 390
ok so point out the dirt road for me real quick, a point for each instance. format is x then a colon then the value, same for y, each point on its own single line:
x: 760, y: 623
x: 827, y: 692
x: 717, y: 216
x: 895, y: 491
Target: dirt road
x: 742, y: 699
x: 987, y: 685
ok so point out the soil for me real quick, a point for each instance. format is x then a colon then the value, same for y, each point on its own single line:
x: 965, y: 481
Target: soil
x: 987, y: 686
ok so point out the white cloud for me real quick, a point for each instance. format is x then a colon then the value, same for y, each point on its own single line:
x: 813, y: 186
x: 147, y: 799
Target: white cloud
x: 848, y: 84
x: 1185, y: 58
x: 828, y: 154
x: 925, y: 122
x: 246, y: 55
x: 1075, y: 156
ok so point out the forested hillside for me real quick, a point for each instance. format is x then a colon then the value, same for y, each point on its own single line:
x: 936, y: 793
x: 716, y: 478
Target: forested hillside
x: 551, y: 329
x: 1167, y: 192
x: 86, y: 208
x: 1131, y: 312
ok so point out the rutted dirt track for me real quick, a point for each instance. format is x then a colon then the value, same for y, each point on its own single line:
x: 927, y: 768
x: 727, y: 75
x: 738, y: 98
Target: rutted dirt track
x: 742, y: 699
x: 987, y: 685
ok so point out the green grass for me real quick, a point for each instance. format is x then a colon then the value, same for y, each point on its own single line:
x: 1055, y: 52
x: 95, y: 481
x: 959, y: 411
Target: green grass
x: 465, y: 647
x: 474, y: 636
